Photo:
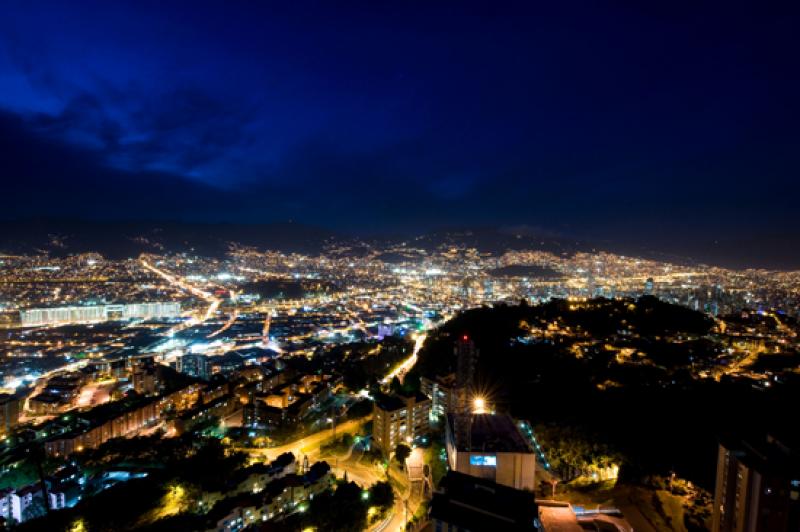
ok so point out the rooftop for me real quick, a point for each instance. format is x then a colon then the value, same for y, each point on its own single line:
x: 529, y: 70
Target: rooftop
x: 389, y: 403
x: 495, y: 433
x: 771, y: 453
x: 393, y: 402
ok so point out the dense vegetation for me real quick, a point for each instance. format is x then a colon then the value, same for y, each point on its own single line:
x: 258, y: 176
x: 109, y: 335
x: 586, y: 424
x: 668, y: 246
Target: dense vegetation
x: 558, y: 364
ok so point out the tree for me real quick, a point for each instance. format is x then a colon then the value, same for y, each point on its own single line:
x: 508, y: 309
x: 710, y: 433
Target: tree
x: 37, y: 454
x: 19, y: 474
x: 395, y: 385
x: 401, y: 452
x: 343, y: 510
x: 381, y: 494
x: 37, y: 508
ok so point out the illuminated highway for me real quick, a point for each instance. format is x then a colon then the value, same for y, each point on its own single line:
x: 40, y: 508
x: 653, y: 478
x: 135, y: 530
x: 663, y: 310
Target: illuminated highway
x: 227, y: 325
x: 401, y: 370
x: 214, y: 302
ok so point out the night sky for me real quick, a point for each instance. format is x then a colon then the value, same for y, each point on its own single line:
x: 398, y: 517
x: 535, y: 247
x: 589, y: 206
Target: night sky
x: 671, y: 126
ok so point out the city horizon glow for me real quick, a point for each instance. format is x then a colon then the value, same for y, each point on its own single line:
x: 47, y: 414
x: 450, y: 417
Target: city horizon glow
x: 570, y: 123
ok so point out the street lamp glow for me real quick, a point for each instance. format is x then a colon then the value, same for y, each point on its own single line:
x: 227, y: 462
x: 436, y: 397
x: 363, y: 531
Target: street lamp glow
x: 479, y: 405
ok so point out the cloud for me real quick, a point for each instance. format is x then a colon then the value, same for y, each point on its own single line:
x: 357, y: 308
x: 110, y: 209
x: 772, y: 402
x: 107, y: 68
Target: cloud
x: 43, y: 176
x: 185, y: 132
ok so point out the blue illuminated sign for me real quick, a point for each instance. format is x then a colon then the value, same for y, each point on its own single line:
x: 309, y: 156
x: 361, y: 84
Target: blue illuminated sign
x: 483, y: 460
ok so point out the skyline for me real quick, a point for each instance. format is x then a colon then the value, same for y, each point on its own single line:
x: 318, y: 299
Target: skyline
x: 399, y: 267
x: 118, y: 239
x: 670, y: 129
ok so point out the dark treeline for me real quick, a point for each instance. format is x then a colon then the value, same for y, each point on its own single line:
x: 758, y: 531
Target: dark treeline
x: 654, y: 413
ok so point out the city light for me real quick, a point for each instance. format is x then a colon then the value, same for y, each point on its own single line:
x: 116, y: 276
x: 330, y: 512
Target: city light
x: 79, y: 525
x: 393, y: 270
x: 479, y: 405
x: 384, y: 313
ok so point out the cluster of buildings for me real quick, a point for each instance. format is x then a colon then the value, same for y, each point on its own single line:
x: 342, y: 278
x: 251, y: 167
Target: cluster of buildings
x: 281, y: 493
x: 478, y: 443
x: 341, y: 297
x: 280, y: 401
x: 60, y: 391
x: 492, y: 465
x: 57, y: 491
x: 88, y: 430
x: 48, y: 282
x: 18, y: 505
x: 203, y: 366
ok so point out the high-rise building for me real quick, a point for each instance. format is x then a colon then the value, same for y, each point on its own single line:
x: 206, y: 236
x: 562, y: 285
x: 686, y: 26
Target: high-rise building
x: 144, y: 379
x: 384, y: 330
x: 488, y: 289
x: 194, y: 364
x: 9, y: 413
x: 649, y: 286
x: 399, y: 419
x: 591, y: 287
x: 441, y: 391
x: 466, y: 357
x: 757, y: 486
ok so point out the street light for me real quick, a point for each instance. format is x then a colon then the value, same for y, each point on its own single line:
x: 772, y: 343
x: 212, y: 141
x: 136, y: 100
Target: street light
x: 479, y: 405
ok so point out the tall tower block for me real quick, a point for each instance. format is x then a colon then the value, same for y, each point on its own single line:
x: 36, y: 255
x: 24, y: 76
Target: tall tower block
x: 466, y: 356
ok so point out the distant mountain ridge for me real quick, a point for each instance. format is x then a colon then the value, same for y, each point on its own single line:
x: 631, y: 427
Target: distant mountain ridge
x: 125, y: 239
x: 121, y: 239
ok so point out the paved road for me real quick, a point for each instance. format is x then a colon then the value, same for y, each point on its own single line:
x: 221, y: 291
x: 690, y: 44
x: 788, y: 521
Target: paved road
x: 307, y: 445
x: 636, y: 518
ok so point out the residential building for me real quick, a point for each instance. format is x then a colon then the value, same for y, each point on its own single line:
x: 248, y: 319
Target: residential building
x: 281, y: 496
x: 441, y: 391
x: 757, y: 486
x: 17, y: 504
x: 399, y: 419
x: 9, y: 413
x: 256, y: 477
x: 194, y: 364
x: 37, y: 317
x: 219, y: 408
x: 144, y: 379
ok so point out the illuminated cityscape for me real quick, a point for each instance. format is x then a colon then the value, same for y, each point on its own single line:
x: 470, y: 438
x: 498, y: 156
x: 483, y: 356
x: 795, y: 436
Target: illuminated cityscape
x: 393, y: 268
x: 284, y: 354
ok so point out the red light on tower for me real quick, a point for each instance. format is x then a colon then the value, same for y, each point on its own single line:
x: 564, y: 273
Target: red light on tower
x: 465, y: 338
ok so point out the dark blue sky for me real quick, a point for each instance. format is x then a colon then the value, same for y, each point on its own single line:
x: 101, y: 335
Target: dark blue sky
x: 673, y: 125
